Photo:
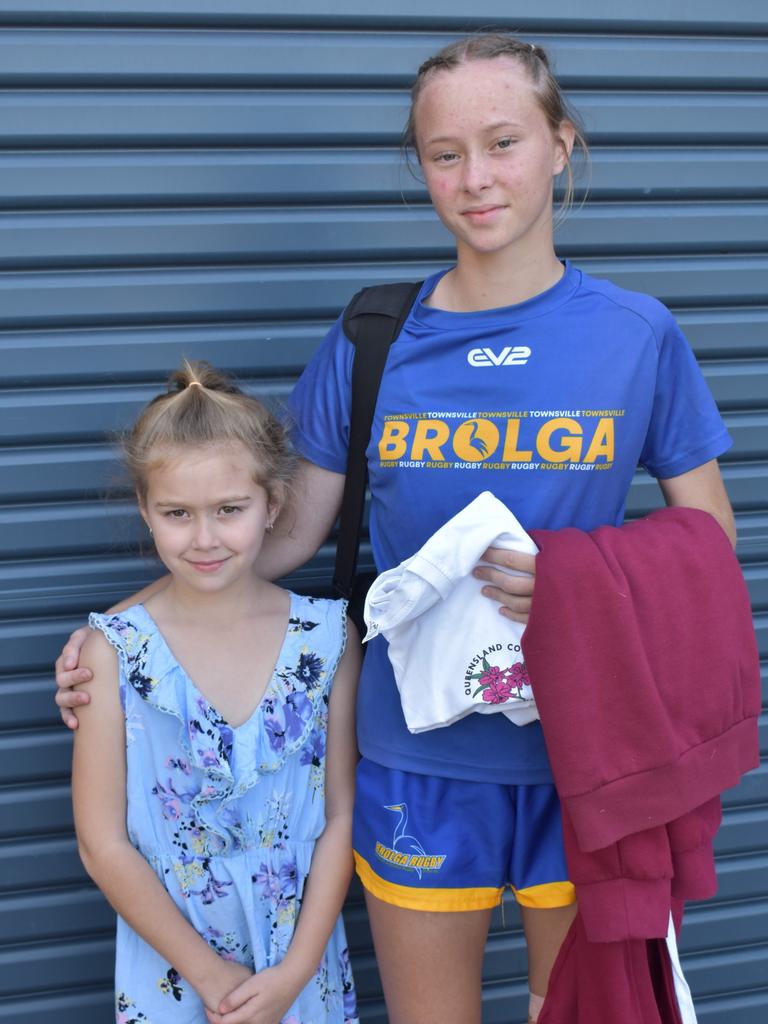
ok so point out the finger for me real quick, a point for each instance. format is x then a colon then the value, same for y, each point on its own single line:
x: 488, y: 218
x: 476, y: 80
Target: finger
x: 66, y: 680
x: 243, y: 1015
x: 70, y: 653
x: 71, y: 698
x: 520, y: 617
x: 518, y: 603
x: 520, y: 561
x: 520, y: 586
x: 68, y: 719
x: 238, y: 996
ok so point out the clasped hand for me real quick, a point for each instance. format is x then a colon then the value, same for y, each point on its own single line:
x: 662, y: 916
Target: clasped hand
x: 262, y: 998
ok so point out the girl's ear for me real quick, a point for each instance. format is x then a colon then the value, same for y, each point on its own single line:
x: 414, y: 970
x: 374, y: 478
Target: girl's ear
x: 564, y: 139
x: 276, y: 500
x: 143, y: 511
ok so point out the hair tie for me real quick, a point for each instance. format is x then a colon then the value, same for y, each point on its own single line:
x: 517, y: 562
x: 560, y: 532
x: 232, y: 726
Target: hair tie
x: 195, y: 384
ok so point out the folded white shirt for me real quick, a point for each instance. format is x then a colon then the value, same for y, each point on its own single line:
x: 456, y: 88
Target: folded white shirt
x: 451, y: 651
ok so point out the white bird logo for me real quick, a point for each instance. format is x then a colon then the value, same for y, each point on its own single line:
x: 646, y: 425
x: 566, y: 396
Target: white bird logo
x: 401, y: 841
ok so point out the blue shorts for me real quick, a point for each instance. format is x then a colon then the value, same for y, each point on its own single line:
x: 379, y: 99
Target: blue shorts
x: 430, y: 843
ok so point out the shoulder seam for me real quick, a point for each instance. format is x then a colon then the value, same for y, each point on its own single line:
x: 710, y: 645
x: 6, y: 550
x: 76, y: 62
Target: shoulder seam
x: 629, y: 309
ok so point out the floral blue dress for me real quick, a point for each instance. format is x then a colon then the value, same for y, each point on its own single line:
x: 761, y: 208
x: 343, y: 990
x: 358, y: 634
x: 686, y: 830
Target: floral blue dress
x: 228, y: 818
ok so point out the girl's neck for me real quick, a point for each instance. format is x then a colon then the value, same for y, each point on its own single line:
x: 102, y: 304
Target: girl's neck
x: 253, y: 596
x: 492, y: 280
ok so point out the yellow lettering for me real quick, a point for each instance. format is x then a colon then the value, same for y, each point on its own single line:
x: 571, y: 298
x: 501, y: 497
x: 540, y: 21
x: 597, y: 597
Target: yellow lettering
x: 511, y: 453
x: 429, y: 437
x: 570, y: 443
x: 602, y: 442
x: 392, y: 444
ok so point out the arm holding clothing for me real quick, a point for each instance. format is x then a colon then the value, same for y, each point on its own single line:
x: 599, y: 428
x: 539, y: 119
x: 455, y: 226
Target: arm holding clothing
x: 701, y: 488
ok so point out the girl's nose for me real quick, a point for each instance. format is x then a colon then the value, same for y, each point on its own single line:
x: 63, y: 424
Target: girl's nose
x: 478, y: 174
x: 205, y: 535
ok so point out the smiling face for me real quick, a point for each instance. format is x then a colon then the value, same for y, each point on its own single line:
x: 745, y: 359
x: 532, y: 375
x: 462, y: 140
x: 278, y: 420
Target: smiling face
x: 207, y: 514
x: 489, y: 156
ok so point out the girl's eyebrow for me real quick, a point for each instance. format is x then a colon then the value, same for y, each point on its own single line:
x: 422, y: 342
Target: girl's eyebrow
x: 218, y: 501
x: 485, y: 127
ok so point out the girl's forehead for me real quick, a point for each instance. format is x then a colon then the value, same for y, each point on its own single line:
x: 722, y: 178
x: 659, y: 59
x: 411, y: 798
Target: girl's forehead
x: 476, y: 92
x: 224, y: 458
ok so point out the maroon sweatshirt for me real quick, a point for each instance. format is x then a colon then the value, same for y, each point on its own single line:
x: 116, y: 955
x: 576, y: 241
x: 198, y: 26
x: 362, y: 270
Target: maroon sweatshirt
x: 643, y: 660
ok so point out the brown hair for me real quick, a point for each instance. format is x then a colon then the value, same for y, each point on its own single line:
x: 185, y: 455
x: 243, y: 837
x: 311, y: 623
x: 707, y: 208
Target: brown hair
x: 535, y: 62
x: 205, y: 407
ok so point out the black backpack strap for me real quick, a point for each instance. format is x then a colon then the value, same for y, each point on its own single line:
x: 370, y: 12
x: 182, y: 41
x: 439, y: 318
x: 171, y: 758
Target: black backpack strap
x: 372, y: 321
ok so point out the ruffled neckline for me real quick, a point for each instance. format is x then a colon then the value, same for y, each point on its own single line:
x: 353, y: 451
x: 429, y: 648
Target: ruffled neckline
x: 201, y: 698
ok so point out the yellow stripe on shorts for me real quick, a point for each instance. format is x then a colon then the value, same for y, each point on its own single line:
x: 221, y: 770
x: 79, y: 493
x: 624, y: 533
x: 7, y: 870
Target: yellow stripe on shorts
x: 547, y: 896
x: 416, y: 898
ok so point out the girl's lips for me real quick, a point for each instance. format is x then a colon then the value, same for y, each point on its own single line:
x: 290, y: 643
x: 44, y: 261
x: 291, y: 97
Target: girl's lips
x: 481, y: 213
x: 208, y: 566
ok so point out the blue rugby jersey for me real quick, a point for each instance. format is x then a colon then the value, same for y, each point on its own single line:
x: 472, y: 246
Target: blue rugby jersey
x: 551, y: 404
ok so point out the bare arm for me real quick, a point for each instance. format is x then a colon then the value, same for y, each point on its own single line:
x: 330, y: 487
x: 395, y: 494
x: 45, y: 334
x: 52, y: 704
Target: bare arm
x: 122, y: 874
x: 271, y: 992
x: 702, y: 488
x: 304, y: 523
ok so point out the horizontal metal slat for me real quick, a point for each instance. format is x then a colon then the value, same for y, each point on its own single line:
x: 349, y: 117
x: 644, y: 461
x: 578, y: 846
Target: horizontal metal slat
x: 30, y: 969
x: 53, y: 587
x: 27, y: 701
x: 31, y: 56
x: 746, y: 485
x: 32, y: 756
x: 122, y: 354
x: 40, y: 863
x: 741, y: 15
x: 81, y: 1006
x: 285, y: 234
x: 712, y: 926
x: 753, y: 788
x: 88, y: 414
x: 45, y: 299
x: 35, y: 810
x: 166, y: 177
x: 743, y: 830
x: 238, y: 117
x: 68, y: 913
x: 726, y: 333
x: 744, y: 968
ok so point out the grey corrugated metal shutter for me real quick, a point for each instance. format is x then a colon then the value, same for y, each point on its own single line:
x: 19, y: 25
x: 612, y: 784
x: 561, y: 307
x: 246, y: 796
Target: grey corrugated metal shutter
x: 216, y: 179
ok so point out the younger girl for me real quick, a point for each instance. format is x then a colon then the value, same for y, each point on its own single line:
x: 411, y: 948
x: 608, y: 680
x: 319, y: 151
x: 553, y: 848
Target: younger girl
x: 215, y: 761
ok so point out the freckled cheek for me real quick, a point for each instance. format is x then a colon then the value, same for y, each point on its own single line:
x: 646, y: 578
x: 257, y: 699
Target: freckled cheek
x: 440, y: 192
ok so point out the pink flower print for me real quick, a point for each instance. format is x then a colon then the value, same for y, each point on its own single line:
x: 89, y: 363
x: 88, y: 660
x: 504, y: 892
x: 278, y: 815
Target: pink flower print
x: 517, y: 674
x: 496, y: 688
